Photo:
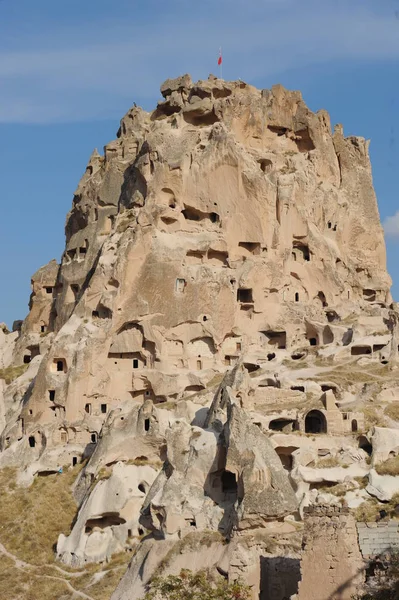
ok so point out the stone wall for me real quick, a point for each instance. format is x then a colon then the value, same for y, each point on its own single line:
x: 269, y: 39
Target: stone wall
x: 332, y: 566
x: 377, y: 538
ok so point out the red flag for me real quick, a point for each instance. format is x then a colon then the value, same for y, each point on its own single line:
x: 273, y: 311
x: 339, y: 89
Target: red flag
x: 220, y: 60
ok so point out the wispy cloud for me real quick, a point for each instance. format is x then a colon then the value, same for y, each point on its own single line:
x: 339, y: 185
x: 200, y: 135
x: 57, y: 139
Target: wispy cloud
x: 70, y: 75
x: 391, y: 226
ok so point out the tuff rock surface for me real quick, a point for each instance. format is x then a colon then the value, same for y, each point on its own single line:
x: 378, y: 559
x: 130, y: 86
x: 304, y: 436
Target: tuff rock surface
x: 218, y: 345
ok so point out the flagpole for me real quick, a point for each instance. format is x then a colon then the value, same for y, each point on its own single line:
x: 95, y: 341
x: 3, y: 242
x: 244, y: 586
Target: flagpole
x: 221, y: 63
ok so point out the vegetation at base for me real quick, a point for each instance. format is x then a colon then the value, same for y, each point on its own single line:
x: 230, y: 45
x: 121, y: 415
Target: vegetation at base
x: 9, y: 374
x: 368, y: 511
x: 372, y: 417
x: 392, y: 411
x: 195, y: 586
x: 328, y: 462
x: 191, y: 542
x: 31, y: 520
x: 388, y: 467
x: 389, y: 587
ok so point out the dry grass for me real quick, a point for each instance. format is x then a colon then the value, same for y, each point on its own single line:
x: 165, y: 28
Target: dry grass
x: 11, y: 373
x: 190, y: 542
x: 103, y: 589
x: 349, y: 373
x: 372, y: 417
x: 167, y: 405
x: 16, y: 584
x: 326, y: 463
x: 340, y: 489
x: 141, y: 462
x: 388, y: 467
x: 362, y: 481
x: 368, y: 511
x: 392, y: 411
x: 30, y: 521
x: 32, y: 518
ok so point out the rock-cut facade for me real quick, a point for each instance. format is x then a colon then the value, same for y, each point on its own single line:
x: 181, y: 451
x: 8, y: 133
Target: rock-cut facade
x: 222, y: 291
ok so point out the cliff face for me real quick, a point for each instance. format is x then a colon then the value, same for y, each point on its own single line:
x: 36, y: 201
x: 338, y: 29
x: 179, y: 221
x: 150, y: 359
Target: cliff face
x: 226, y: 249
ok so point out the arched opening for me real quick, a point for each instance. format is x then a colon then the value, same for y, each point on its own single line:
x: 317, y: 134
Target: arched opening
x: 296, y: 296
x: 315, y: 422
x: 265, y: 164
x: 93, y: 438
x: 147, y: 425
x: 74, y: 461
x: 313, y: 341
x: 332, y: 316
x: 32, y: 441
x: 365, y: 445
x: 141, y: 488
x: 369, y: 295
x: 354, y: 425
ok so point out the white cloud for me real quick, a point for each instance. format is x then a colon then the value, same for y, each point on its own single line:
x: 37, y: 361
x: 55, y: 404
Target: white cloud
x: 68, y: 75
x: 391, y: 226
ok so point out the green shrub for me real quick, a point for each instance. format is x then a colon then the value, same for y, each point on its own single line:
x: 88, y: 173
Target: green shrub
x: 195, y: 586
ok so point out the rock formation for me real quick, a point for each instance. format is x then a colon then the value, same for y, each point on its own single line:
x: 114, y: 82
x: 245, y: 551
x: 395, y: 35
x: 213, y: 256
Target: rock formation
x: 218, y: 345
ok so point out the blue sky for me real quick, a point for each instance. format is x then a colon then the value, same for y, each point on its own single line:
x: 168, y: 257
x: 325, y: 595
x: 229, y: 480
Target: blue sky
x: 70, y: 70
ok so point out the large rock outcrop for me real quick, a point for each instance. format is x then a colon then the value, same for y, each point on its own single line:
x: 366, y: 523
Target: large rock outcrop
x: 215, y: 338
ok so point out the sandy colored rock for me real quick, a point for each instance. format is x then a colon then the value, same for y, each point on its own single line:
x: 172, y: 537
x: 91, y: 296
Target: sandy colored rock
x: 219, y: 332
x: 332, y: 565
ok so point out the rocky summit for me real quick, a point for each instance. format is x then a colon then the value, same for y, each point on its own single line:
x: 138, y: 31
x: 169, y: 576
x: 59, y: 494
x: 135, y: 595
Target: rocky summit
x: 212, y: 370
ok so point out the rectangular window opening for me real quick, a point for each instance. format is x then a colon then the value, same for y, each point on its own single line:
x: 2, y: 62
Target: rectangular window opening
x: 244, y: 295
